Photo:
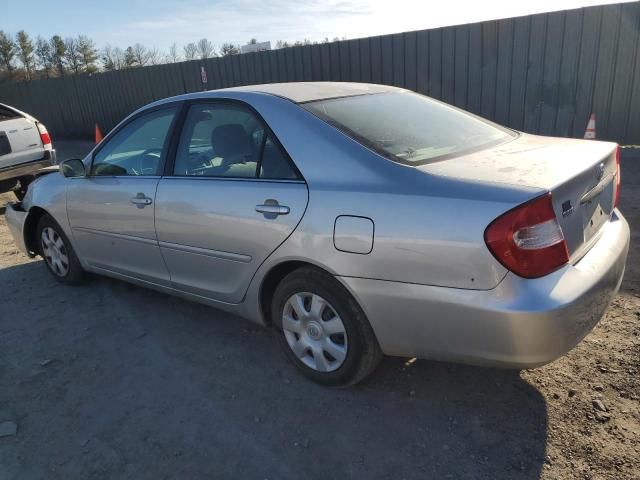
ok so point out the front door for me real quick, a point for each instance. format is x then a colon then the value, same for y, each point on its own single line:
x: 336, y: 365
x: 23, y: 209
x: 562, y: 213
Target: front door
x: 111, y: 211
x: 232, y: 198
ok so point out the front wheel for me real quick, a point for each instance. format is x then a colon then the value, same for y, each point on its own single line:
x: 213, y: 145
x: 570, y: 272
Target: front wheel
x: 58, y: 253
x: 323, y: 330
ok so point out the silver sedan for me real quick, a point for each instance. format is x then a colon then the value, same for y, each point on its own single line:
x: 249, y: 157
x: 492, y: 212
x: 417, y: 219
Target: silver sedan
x: 357, y: 220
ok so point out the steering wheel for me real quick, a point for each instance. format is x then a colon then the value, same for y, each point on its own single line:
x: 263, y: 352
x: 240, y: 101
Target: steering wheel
x: 150, y: 157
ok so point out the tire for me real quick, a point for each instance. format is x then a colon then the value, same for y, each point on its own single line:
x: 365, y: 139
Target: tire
x: 54, y: 245
x: 305, y: 307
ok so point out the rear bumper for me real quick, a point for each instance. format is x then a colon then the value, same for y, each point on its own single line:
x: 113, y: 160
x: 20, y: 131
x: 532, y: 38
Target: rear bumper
x: 29, y: 168
x: 16, y: 217
x: 522, y: 323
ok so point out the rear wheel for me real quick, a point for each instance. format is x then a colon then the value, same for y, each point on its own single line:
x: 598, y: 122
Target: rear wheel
x: 323, y: 330
x: 58, y: 253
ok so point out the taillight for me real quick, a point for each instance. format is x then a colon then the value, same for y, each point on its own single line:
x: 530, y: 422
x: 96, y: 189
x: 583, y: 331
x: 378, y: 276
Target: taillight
x: 618, y: 171
x: 44, y: 134
x: 528, y: 240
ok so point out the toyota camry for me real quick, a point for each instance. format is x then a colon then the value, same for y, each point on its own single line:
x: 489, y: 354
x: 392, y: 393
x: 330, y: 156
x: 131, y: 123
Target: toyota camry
x: 355, y: 220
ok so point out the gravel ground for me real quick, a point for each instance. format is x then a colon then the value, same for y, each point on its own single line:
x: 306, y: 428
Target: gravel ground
x: 109, y: 380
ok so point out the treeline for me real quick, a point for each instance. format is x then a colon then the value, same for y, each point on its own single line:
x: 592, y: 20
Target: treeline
x: 23, y: 58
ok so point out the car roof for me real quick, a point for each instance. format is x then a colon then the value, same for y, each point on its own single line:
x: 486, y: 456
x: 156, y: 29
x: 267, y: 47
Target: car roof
x: 301, y: 92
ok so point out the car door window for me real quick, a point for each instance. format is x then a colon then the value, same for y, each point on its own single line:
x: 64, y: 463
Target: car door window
x: 226, y: 140
x: 138, y: 148
x: 275, y: 164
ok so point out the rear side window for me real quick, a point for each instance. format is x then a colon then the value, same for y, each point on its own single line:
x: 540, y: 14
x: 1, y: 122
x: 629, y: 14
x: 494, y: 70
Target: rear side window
x: 407, y: 127
x: 228, y: 140
x: 6, y: 114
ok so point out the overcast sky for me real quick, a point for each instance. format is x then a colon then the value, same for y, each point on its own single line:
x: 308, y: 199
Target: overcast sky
x: 159, y: 23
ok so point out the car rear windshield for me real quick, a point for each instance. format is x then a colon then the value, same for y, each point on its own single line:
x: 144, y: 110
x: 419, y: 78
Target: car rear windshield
x: 409, y: 128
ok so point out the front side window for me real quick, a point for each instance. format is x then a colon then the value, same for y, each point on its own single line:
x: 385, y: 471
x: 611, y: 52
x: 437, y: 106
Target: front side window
x: 228, y: 140
x: 407, y: 127
x: 138, y: 148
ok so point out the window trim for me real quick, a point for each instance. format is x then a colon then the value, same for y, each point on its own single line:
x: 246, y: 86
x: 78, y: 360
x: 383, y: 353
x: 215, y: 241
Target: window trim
x: 179, y: 106
x: 177, y: 134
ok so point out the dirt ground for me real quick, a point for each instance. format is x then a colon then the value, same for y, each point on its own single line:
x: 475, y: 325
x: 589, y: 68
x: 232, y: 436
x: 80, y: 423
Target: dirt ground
x: 109, y: 380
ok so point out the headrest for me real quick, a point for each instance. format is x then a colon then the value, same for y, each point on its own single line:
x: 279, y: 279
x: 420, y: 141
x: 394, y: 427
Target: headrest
x: 231, y: 140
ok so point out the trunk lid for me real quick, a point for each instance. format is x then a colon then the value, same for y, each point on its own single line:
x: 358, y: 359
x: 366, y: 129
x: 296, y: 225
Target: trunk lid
x: 580, y: 174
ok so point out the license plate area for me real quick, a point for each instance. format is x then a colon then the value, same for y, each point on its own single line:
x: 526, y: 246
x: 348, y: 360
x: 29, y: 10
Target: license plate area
x: 597, y: 211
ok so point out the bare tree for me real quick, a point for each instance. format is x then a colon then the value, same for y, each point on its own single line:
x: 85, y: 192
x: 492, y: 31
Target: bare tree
x: 25, y: 53
x: 282, y: 44
x: 113, y: 58
x: 7, y: 52
x: 129, y: 58
x: 44, y: 59
x: 119, y: 56
x: 72, y: 54
x: 206, y: 49
x: 154, y: 57
x: 88, y: 54
x: 107, y: 57
x: 142, y: 56
x: 229, y: 49
x: 58, y: 51
x: 300, y: 43
x: 173, y: 56
x: 190, y: 51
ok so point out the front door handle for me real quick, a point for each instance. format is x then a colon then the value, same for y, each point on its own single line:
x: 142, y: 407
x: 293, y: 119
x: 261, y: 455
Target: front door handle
x: 271, y: 209
x: 140, y: 200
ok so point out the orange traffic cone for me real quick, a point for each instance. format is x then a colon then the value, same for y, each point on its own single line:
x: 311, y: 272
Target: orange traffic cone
x: 98, y: 134
x: 590, y: 132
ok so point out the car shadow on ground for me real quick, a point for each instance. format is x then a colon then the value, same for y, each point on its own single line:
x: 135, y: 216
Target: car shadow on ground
x: 109, y: 379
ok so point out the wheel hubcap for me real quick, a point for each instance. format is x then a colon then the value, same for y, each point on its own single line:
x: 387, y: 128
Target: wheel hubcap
x: 315, y: 332
x: 55, y: 252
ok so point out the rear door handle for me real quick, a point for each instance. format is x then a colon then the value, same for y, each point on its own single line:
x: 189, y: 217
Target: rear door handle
x: 140, y: 200
x: 273, y: 209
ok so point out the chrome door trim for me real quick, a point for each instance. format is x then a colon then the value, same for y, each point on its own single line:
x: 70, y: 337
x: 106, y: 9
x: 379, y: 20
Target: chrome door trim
x: 121, y: 236
x: 234, y: 257
x: 232, y: 179
x: 96, y: 177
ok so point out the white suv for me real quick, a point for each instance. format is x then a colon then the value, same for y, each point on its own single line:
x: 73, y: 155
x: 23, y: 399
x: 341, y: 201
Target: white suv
x: 25, y: 148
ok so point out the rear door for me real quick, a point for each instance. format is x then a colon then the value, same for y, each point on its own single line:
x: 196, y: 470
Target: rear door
x: 19, y: 139
x: 111, y: 211
x: 229, y: 200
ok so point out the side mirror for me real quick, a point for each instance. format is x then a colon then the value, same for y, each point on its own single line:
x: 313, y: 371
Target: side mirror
x: 73, y: 168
